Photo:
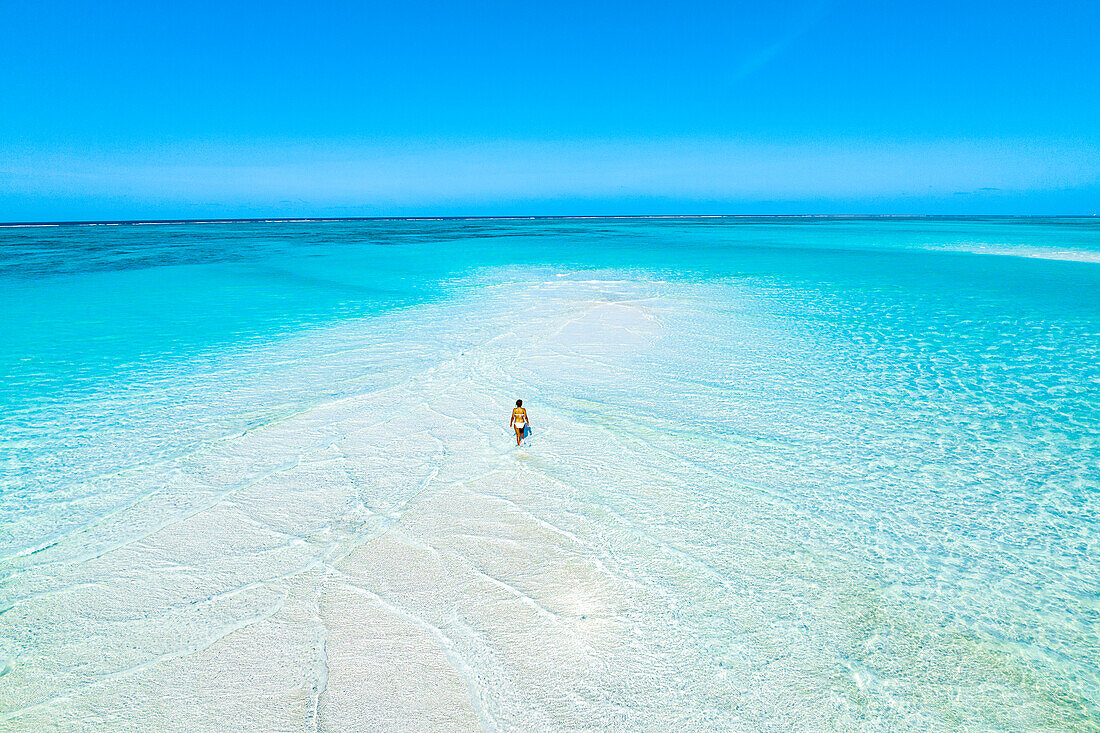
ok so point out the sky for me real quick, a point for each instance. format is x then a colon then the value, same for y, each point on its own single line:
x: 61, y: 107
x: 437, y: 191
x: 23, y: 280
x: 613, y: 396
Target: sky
x: 155, y: 110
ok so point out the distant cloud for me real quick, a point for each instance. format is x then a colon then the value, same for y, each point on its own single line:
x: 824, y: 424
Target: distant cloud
x: 983, y: 189
x: 810, y: 17
x: 626, y: 175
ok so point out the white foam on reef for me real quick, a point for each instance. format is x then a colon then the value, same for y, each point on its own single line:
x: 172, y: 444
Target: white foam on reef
x: 703, y: 537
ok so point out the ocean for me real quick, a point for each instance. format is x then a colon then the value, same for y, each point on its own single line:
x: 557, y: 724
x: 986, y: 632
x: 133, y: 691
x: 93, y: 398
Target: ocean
x: 785, y: 474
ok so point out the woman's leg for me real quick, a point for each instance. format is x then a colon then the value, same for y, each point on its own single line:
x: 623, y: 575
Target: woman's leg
x: 519, y: 435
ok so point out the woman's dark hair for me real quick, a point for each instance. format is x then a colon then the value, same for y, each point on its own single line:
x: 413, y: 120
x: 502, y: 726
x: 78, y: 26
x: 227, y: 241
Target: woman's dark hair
x: 519, y: 403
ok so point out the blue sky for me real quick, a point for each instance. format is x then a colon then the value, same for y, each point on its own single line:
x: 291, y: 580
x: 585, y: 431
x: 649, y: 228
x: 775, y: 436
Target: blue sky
x: 155, y: 110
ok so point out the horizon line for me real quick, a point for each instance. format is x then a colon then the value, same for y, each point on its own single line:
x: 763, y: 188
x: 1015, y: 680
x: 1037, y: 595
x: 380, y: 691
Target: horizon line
x: 323, y: 219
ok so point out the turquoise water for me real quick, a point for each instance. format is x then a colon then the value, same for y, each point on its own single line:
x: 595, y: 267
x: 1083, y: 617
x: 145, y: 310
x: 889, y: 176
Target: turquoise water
x: 786, y: 474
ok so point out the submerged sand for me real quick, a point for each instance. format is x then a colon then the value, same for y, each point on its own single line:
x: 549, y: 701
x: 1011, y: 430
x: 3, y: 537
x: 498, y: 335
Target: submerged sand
x: 387, y: 560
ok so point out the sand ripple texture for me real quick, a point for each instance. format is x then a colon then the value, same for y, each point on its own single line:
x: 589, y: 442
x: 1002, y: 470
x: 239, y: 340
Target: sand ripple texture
x: 742, y: 508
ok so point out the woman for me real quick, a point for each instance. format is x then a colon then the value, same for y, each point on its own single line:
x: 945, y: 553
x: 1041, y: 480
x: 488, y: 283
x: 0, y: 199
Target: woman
x: 519, y: 421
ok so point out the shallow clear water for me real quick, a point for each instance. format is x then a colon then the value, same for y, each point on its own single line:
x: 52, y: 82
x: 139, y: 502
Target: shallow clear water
x: 786, y: 474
